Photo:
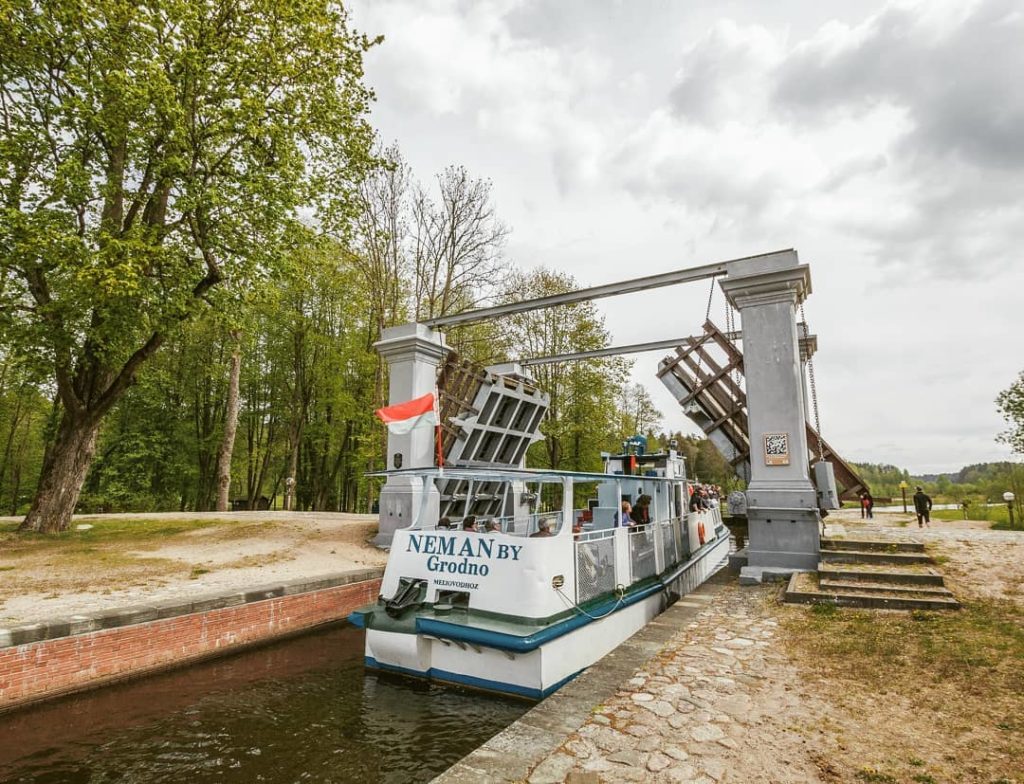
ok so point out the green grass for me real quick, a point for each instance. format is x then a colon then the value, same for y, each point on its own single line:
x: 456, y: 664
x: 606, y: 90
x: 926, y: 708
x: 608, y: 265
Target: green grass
x: 979, y: 648
x: 102, y: 532
x: 972, y: 659
x: 999, y: 516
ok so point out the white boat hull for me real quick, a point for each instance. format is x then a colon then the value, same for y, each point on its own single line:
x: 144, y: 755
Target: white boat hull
x: 536, y: 673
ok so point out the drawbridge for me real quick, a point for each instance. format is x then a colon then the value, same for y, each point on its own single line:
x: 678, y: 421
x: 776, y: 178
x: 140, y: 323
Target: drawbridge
x: 490, y: 416
x: 705, y: 375
x: 752, y: 404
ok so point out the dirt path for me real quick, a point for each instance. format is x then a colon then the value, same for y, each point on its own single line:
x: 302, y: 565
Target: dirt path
x: 121, y: 560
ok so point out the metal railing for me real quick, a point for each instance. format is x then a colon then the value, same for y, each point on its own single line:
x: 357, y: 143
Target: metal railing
x: 595, y: 566
x: 642, y: 562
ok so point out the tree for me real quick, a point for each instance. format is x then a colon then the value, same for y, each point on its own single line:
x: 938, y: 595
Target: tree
x: 1010, y: 403
x: 149, y: 151
x: 457, y: 245
x: 583, y: 417
x: 639, y: 414
x: 227, y: 444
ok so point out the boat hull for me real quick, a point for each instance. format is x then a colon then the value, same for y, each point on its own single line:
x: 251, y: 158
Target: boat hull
x: 557, y: 659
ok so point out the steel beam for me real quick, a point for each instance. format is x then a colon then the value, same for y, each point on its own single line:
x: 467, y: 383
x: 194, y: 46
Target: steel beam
x: 609, y: 351
x: 686, y: 275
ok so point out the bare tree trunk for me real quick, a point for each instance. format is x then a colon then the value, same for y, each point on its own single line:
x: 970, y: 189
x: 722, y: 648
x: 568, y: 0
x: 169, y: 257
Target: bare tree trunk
x: 227, y: 444
x: 64, y: 468
x: 15, y: 421
x: 15, y: 488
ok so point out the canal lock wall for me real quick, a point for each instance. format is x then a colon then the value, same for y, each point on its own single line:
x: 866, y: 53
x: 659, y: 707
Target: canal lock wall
x: 45, y: 660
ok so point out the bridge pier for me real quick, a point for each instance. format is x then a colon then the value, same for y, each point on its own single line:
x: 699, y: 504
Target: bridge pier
x: 782, y: 509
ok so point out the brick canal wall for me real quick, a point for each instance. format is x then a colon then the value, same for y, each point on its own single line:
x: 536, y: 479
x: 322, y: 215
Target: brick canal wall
x: 52, y: 659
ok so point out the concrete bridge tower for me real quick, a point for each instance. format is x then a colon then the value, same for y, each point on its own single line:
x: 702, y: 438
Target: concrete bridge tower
x: 782, y: 508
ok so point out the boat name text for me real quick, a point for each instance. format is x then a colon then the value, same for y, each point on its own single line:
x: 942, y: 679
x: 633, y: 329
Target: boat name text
x: 473, y: 546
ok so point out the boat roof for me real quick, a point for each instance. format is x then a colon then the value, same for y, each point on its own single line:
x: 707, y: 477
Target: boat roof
x: 500, y: 474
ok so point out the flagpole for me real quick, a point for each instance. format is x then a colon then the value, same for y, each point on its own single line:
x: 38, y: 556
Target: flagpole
x: 437, y: 428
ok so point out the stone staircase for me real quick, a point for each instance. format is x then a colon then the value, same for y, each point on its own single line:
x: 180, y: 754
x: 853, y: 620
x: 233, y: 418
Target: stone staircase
x: 861, y: 573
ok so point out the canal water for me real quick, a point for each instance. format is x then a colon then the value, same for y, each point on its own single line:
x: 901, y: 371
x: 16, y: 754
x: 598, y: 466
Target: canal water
x: 303, y: 710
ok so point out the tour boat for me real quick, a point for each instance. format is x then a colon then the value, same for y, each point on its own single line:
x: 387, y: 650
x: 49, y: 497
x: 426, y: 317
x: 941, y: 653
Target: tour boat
x: 552, y: 587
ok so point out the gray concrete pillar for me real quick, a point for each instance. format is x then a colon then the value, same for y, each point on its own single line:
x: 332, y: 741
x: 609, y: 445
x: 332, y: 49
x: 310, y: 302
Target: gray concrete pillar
x: 413, y: 353
x: 781, y: 504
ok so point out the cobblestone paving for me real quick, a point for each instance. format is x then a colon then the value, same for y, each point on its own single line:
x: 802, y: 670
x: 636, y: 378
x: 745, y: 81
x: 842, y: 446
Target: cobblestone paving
x: 719, y: 705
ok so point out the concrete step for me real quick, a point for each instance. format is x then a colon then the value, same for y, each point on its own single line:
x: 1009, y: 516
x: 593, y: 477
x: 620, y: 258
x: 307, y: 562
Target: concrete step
x: 802, y: 590
x: 911, y: 576
x: 884, y: 588
x: 874, y: 557
x: 862, y: 545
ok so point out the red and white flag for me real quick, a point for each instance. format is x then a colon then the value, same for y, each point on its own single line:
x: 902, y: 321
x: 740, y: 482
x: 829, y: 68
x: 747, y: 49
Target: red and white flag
x: 403, y: 417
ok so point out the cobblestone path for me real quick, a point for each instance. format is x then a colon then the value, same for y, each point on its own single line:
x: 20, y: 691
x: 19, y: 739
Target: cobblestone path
x: 719, y: 705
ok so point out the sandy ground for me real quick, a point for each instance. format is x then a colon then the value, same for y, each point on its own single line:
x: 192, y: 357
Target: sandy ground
x: 245, y: 550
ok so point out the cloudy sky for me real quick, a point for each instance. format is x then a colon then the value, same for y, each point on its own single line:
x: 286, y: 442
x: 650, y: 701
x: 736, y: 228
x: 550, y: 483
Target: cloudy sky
x: 883, y: 141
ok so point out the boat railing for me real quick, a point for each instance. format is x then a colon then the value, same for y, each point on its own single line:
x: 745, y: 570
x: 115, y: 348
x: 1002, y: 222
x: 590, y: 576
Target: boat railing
x: 643, y: 562
x: 671, y: 541
x: 649, y: 550
x: 595, y: 564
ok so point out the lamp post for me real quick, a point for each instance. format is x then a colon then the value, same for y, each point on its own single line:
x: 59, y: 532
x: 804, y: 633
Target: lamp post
x: 1008, y: 497
x: 903, y: 489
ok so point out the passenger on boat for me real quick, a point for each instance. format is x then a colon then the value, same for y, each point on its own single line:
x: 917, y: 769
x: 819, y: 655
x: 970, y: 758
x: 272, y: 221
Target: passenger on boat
x: 492, y: 526
x: 469, y: 523
x: 695, y: 501
x: 641, y: 513
x: 444, y: 522
x: 543, y: 528
x: 626, y: 516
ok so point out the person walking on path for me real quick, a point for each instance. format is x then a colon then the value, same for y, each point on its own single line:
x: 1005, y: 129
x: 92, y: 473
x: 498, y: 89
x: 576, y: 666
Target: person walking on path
x: 923, y: 507
x: 867, y: 505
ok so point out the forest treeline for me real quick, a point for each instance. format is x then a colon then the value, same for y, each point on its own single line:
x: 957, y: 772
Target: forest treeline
x: 202, y: 237
x: 980, y: 482
x: 308, y: 378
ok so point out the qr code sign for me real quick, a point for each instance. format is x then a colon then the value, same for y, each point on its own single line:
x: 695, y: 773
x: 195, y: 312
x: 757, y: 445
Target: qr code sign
x: 776, y: 449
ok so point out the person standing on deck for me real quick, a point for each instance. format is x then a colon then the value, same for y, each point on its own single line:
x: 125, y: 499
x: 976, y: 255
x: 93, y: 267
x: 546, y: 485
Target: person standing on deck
x: 625, y: 516
x: 923, y: 507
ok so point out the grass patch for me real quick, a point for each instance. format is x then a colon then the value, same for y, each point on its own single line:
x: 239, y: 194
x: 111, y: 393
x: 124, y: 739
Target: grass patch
x: 872, y: 775
x: 134, y: 532
x: 972, y: 659
x: 981, y: 641
x: 197, y: 571
x: 998, y: 515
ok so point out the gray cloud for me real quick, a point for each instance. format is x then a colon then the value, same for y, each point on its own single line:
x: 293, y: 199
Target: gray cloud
x: 932, y: 178
x: 960, y: 88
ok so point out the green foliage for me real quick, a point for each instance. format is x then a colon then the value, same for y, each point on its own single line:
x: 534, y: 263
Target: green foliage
x: 151, y: 151
x: 584, y: 417
x: 703, y: 461
x: 24, y: 413
x: 883, y: 479
x: 1010, y: 403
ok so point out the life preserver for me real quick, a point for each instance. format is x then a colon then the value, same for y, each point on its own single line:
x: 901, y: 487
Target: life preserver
x: 700, y: 531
